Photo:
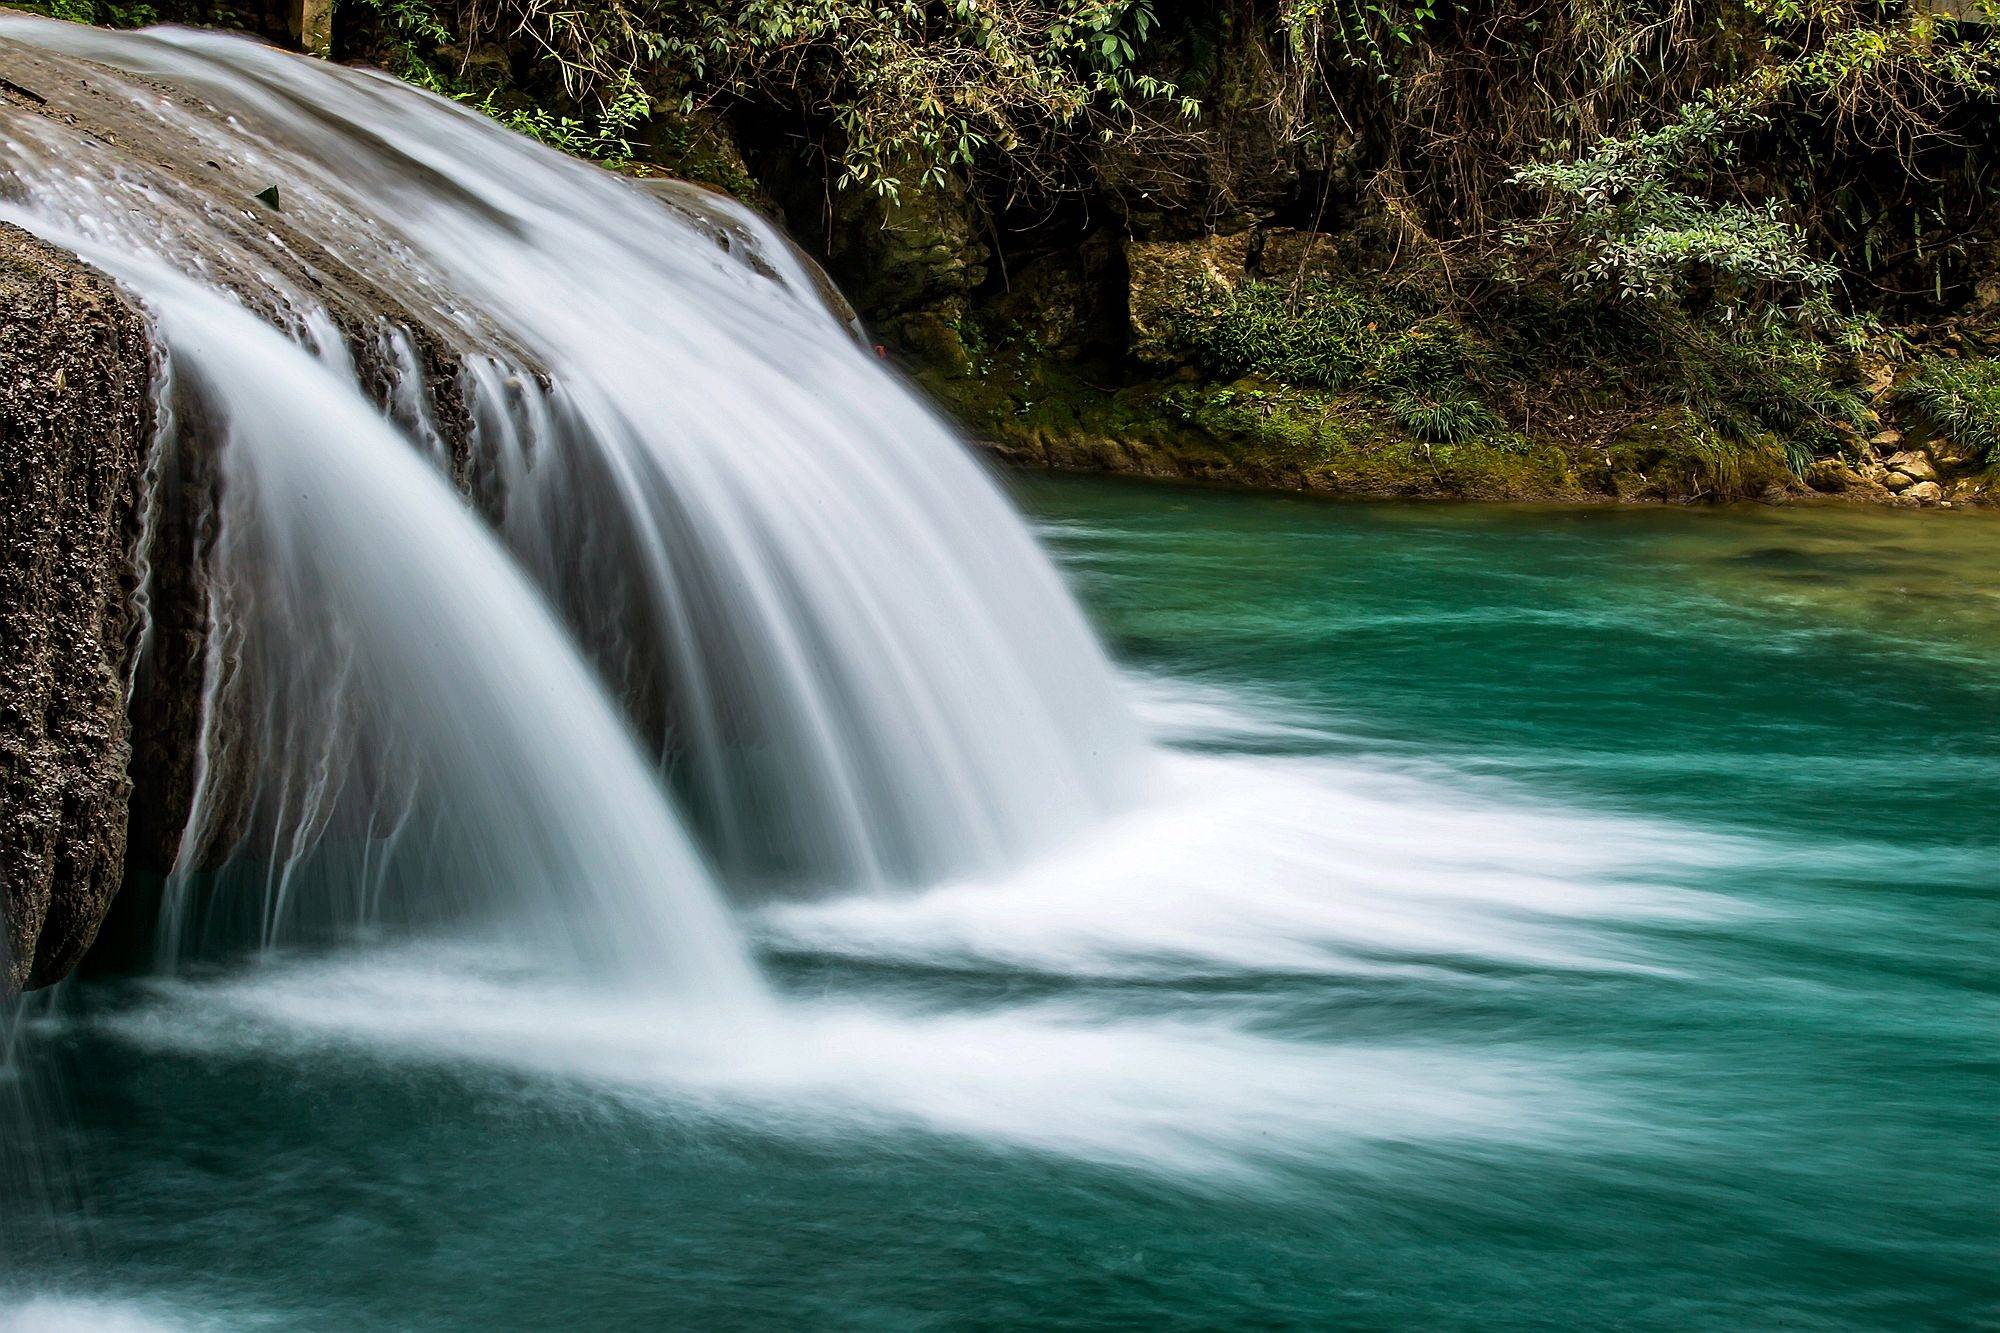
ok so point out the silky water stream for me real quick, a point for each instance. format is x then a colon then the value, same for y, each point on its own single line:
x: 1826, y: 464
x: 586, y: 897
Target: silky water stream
x: 713, y: 876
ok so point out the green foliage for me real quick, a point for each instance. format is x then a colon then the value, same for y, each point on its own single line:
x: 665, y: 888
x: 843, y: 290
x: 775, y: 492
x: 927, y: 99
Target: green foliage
x: 605, y: 137
x: 1619, y: 222
x: 1364, y: 34
x: 1319, y: 333
x: 1697, y: 212
x: 1747, y: 383
x: 1448, y: 418
x: 417, y: 30
x: 1768, y: 381
x: 912, y: 91
x: 1961, y: 398
x: 415, y: 23
x: 101, y: 12
x: 1678, y: 454
x: 1419, y: 362
x: 1689, y: 228
x: 919, y: 90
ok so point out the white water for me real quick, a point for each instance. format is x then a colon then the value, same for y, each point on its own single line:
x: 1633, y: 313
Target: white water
x: 367, y: 590
x: 1126, y: 1060
x: 1194, y: 1098
x: 857, y: 671
x: 55, y: 1314
x: 820, y: 607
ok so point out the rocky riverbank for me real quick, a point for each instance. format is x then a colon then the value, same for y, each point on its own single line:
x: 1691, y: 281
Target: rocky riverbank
x: 1094, y: 362
x: 1270, y: 436
x: 1199, y: 337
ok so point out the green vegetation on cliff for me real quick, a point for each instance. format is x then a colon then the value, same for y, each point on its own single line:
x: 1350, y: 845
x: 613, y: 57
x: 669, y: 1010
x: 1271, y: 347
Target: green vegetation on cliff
x: 1500, y: 230
x: 1961, y: 399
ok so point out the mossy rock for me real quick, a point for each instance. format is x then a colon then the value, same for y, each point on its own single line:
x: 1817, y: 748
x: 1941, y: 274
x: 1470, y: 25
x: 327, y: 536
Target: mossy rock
x: 1248, y: 432
x: 1173, y: 282
x: 1675, y: 454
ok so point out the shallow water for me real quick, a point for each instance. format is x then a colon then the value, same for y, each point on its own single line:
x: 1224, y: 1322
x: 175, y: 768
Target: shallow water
x: 1544, y: 916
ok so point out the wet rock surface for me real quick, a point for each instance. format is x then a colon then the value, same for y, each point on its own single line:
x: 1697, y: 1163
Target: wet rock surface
x: 74, y: 428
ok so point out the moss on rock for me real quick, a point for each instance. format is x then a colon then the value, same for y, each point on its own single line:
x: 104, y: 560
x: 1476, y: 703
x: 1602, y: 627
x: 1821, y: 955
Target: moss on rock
x: 1248, y: 431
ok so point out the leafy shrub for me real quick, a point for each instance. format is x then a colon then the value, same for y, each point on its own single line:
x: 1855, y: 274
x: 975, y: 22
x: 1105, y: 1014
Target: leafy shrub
x: 1620, y: 224
x: 1321, y: 334
x: 605, y: 136
x: 1961, y: 399
x: 102, y: 12
x: 1451, y: 418
x: 913, y: 90
x: 1765, y: 380
x: 416, y: 31
x: 1420, y: 362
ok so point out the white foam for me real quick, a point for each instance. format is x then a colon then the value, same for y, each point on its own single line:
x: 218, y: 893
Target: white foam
x: 1297, y: 865
x: 70, y: 1314
x: 1196, y: 1098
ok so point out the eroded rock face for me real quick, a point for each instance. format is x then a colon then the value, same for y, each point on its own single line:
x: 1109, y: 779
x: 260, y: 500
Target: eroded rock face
x: 1163, y: 276
x: 74, y: 426
x: 910, y: 257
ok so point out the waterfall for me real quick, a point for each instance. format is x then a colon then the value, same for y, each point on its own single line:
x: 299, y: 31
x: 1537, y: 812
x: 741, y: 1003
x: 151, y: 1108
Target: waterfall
x: 684, y: 483
x: 394, y: 650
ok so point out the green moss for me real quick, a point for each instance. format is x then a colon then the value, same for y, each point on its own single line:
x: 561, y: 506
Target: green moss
x: 1365, y: 437
x: 1249, y: 430
x: 1324, y: 335
x: 1414, y: 357
x: 1396, y: 352
x: 1678, y: 454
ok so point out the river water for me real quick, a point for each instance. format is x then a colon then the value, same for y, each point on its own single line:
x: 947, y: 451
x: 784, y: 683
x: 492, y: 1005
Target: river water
x: 1542, y: 917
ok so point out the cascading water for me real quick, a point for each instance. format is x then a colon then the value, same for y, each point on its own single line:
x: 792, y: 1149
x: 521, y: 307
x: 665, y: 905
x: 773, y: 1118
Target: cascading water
x: 543, y: 506
x: 546, y: 505
x: 814, y: 605
x: 406, y: 669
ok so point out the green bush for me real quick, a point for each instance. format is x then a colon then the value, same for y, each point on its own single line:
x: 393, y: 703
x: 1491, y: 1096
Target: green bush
x: 1621, y: 222
x: 1420, y: 363
x: 1764, y: 380
x: 1452, y: 418
x: 911, y: 92
x: 1324, y: 335
x: 1961, y: 399
x: 105, y: 13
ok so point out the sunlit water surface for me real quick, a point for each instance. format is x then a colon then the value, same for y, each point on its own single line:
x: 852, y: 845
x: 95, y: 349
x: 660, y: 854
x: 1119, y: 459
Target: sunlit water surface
x: 1545, y: 917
